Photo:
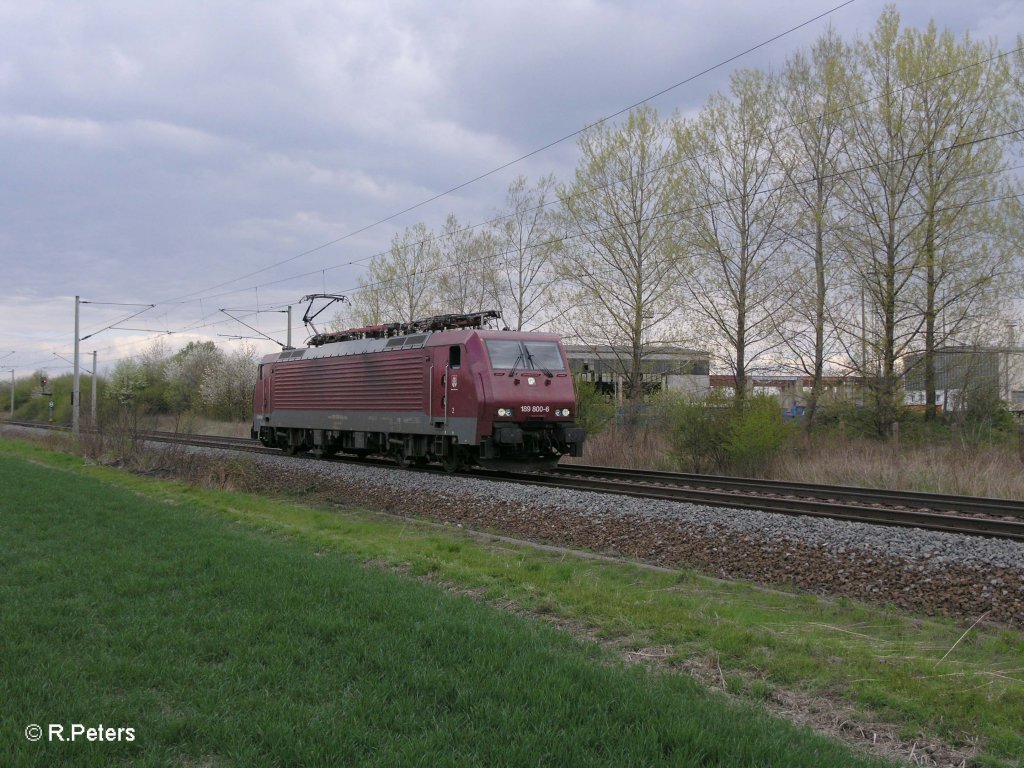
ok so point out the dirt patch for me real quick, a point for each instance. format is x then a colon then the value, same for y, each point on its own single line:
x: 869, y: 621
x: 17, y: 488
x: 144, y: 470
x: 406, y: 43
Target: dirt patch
x: 827, y: 715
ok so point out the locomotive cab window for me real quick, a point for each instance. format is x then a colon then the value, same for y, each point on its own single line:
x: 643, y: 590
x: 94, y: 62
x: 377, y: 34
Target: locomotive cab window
x: 506, y: 354
x: 454, y: 357
x: 544, y: 355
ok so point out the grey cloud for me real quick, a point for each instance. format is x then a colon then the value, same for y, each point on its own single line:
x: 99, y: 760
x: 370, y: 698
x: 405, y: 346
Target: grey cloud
x: 149, y: 150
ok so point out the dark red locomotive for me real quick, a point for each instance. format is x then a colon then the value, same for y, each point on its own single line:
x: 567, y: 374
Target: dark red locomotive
x: 442, y: 389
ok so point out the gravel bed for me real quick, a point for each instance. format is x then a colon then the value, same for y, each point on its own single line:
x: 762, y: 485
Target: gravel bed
x: 921, y: 570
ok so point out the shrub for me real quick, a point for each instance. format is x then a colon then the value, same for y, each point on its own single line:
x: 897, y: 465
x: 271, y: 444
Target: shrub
x: 756, y: 433
x: 847, y: 419
x: 986, y: 419
x: 594, y: 410
x: 32, y: 405
x: 698, y: 428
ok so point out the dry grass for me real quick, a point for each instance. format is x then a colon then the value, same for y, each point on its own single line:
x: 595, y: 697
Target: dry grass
x: 198, y: 425
x: 121, y: 443
x: 636, y: 449
x: 970, y: 471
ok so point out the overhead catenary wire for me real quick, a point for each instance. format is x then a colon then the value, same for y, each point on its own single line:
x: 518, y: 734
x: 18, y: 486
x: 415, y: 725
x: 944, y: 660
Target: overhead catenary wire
x: 508, y: 164
x: 146, y: 308
x: 323, y: 271
x: 530, y: 154
x: 676, y: 212
x: 784, y: 237
x: 600, y: 187
x: 685, y: 211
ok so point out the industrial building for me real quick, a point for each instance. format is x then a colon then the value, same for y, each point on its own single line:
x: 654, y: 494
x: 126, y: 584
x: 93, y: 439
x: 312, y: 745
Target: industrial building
x: 664, y: 368
x: 960, y: 369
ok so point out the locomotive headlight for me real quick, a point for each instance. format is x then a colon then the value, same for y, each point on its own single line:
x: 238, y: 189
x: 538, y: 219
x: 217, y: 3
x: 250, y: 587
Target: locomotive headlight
x: 563, y: 412
x: 504, y: 411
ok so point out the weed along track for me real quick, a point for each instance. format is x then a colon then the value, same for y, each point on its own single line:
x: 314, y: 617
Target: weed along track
x: 934, y: 572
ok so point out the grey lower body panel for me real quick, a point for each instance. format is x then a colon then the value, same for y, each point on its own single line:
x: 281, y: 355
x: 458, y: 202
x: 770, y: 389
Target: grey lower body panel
x: 389, y: 422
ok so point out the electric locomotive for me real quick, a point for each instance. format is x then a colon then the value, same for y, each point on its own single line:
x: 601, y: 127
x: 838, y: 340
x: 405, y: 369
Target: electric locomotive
x: 443, y: 389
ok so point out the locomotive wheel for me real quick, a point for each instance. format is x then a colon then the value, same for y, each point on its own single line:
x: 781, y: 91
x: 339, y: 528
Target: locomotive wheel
x: 402, y: 460
x: 452, y: 462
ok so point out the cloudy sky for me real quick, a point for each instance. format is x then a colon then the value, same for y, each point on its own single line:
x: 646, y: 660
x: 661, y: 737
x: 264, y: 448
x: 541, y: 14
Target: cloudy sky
x: 200, y: 156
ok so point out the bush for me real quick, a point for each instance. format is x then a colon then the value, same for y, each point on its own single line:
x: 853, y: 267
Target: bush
x: 986, y: 418
x: 714, y: 433
x: 847, y: 419
x: 32, y: 405
x: 698, y: 428
x: 594, y: 410
x: 756, y: 433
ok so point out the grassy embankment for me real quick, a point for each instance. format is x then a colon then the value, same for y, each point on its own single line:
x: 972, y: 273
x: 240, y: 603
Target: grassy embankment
x: 144, y: 605
x: 851, y: 662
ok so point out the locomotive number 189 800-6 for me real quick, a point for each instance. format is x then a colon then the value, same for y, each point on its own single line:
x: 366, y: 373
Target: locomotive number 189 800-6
x: 535, y: 408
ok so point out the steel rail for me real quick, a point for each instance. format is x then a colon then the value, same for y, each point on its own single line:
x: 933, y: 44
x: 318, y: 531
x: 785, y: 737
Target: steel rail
x: 912, y: 499
x: 835, y: 509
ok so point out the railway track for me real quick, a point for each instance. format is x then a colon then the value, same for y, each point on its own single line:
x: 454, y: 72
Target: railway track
x: 998, y: 518
x: 209, y: 441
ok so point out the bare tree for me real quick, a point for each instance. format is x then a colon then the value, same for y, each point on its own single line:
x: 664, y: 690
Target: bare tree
x: 466, y: 280
x: 961, y: 96
x: 621, y: 260
x: 740, y: 205
x: 528, y: 243
x: 402, y: 285
x: 811, y: 151
x: 885, y: 155
x: 366, y: 307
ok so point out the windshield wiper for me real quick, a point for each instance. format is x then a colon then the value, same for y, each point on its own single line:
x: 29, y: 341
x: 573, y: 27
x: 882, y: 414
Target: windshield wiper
x: 537, y: 366
x: 516, y: 363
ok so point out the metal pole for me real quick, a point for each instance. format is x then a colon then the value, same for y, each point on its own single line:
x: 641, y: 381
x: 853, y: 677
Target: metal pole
x: 75, y: 383
x: 863, y: 336
x: 1012, y: 327
x: 289, y: 326
x: 12, y: 393
x: 93, y: 409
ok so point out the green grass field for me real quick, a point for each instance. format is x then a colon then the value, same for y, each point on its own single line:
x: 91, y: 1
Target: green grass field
x: 223, y: 645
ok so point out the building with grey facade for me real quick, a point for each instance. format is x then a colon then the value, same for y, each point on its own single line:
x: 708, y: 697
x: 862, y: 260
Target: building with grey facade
x: 959, y: 370
x: 664, y: 368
